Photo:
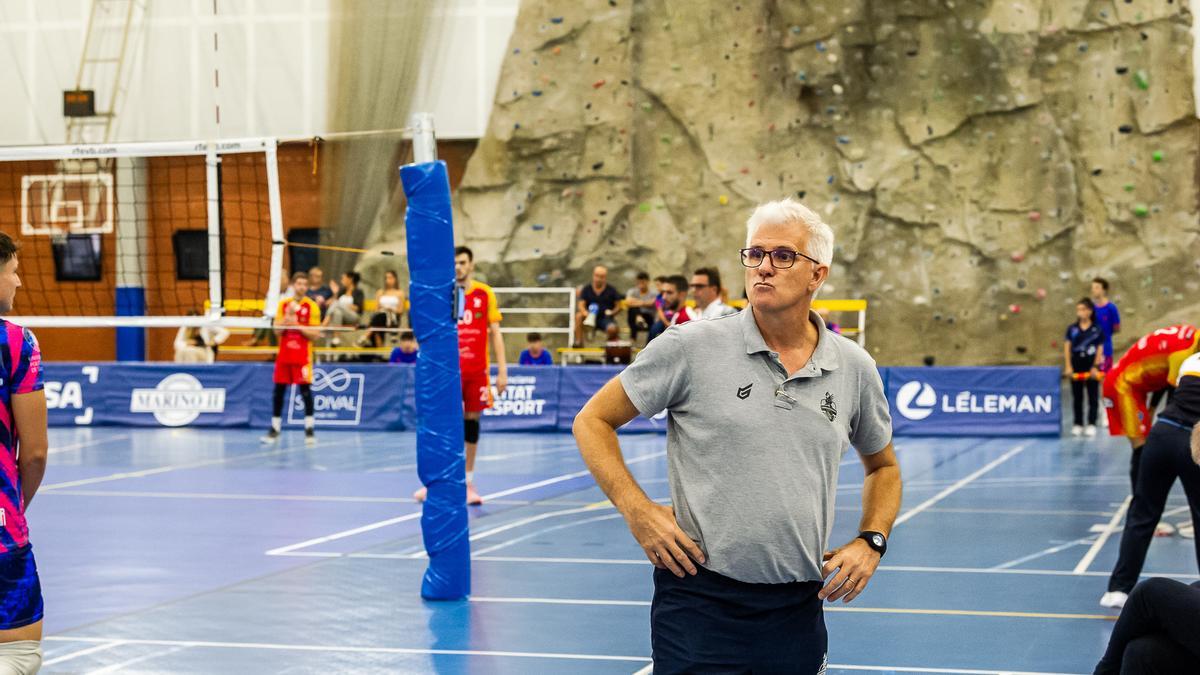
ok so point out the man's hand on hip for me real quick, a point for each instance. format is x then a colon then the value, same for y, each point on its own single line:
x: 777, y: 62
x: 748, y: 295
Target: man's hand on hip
x: 855, y: 564
x: 667, y: 547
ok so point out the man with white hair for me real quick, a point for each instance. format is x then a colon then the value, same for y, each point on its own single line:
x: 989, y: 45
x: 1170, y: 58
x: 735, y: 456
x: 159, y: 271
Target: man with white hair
x: 761, y: 406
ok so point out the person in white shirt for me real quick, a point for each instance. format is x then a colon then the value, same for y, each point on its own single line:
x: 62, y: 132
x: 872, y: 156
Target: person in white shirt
x: 198, y: 344
x: 706, y: 289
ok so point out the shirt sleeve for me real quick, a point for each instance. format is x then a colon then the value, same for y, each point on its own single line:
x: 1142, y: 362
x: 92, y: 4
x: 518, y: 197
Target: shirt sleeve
x: 658, y: 378
x: 871, y: 426
x: 494, y: 315
x: 314, y: 313
x: 1116, y: 314
x: 27, y: 374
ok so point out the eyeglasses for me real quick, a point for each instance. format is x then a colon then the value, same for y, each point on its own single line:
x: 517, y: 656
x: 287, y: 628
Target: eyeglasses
x: 781, y: 258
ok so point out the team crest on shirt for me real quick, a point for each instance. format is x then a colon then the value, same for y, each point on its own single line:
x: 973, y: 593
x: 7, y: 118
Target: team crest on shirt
x: 828, y: 407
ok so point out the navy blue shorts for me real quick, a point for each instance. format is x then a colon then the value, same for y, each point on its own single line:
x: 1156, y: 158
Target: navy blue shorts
x: 20, y: 589
x: 710, y: 623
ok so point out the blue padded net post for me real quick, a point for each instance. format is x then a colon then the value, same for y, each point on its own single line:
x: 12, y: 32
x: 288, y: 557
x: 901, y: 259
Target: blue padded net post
x: 441, y: 463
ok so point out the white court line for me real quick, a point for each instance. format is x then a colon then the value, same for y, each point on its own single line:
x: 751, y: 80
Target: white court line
x: 531, y: 535
x: 352, y: 650
x: 523, y: 522
x: 466, y: 652
x: 646, y: 671
x: 87, y: 444
x: 108, y: 644
x: 908, y: 515
x: 117, y: 667
x: 1086, y: 561
x: 1044, y: 552
x: 158, y: 470
x: 287, y: 550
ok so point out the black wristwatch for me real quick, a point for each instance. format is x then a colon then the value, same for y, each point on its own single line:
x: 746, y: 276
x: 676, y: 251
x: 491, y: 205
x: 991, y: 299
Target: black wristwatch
x: 876, y: 541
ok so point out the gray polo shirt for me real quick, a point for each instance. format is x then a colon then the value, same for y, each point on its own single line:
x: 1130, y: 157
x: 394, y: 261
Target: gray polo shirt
x: 752, y: 454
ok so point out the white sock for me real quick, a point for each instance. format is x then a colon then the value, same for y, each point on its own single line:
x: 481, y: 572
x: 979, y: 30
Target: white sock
x: 470, y: 476
x: 309, y: 422
x: 276, y: 424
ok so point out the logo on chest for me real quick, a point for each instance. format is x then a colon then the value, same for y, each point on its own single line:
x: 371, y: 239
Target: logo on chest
x: 744, y: 392
x: 828, y: 407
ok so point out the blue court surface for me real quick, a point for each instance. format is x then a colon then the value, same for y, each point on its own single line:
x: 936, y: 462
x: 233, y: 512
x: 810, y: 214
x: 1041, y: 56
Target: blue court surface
x: 199, y: 550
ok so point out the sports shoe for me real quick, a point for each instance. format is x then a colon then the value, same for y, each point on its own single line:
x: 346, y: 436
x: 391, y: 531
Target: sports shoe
x: 310, y: 437
x: 1113, y: 599
x: 473, y: 498
x: 421, y: 494
x: 1164, y: 529
x: 1076, y: 430
x: 270, y: 437
x: 1090, y: 430
x: 1186, y: 530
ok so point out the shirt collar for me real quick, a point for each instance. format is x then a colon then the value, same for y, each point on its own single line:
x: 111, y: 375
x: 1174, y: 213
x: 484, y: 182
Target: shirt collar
x: 825, y: 356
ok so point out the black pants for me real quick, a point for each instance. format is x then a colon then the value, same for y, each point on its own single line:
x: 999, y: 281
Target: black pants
x: 1166, y: 456
x: 710, y: 623
x: 1092, y: 388
x: 277, y: 399
x: 647, y: 316
x: 1157, y: 631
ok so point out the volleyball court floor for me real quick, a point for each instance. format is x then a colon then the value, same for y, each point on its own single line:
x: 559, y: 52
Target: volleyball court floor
x: 199, y: 550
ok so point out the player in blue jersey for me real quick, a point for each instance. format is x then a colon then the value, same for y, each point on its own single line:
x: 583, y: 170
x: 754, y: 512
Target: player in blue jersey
x: 23, y: 450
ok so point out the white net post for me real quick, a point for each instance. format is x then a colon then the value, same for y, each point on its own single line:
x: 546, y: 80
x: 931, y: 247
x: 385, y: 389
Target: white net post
x: 424, y: 142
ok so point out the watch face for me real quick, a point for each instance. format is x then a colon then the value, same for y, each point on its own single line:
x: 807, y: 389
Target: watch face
x: 878, y: 539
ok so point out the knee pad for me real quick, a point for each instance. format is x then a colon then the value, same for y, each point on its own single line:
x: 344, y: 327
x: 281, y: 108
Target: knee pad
x: 471, y: 431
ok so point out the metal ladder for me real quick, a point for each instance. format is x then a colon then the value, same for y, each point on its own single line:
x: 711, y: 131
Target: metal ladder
x: 102, y: 66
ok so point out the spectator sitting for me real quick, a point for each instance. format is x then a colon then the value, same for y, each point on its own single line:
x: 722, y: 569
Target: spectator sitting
x: 391, y: 310
x: 346, y: 310
x: 318, y: 290
x: 641, y: 304
x: 198, y: 344
x: 407, y: 351
x: 597, y: 304
x: 685, y: 313
x: 669, y: 307
x: 706, y: 287
x: 535, y: 354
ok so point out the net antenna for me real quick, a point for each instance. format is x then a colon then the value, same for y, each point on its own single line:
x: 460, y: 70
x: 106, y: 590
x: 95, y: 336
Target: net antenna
x: 141, y: 235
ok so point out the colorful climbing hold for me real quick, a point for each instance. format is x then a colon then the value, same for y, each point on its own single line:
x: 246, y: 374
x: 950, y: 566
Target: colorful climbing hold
x: 723, y: 200
x: 1157, y: 155
x: 1141, y: 210
x: 536, y: 92
x: 1035, y: 216
x: 820, y: 46
x: 644, y: 207
x: 556, y: 19
x: 597, y: 84
x: 1125, y: 128
x: 844, y: 140
x: 1018, y: 256
x: 557, y: 50
x: 538, y: 226
x: 1129, y: 187
x: 1014, y: 309
x: 1041, y: 294
x: 1141, y: 79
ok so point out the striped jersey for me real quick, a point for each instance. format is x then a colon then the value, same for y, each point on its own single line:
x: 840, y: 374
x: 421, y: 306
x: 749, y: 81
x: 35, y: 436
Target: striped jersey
x: 21, y: 373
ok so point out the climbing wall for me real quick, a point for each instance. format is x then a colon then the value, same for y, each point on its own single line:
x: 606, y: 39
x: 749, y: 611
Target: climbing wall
x: 979, y: 161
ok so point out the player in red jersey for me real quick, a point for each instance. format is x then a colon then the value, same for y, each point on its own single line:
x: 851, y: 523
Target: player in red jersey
x: 293, y: 364
x: 478, y: 325
x: 1150, y: 365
